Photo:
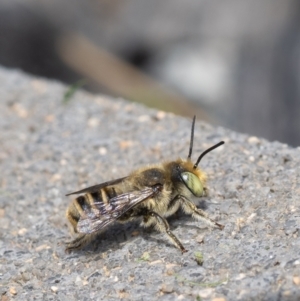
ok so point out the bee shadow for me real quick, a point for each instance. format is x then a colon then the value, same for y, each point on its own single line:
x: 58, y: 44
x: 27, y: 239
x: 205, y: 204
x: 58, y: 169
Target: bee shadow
x: 112, y: 238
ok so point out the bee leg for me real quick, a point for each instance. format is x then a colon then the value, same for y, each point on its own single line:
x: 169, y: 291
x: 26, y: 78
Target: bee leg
x: 79, y: 242
x: 190, y: 208
x: 163, y: 226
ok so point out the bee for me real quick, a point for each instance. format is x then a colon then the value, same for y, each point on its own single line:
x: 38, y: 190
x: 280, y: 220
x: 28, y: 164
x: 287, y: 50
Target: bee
x: 150, y: 194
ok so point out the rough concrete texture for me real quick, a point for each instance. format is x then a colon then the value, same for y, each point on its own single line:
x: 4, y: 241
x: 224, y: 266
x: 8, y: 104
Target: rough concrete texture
x: 49, y: 148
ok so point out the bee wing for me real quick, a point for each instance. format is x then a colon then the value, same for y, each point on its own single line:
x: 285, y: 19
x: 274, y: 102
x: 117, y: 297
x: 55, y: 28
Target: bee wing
x: 97, y: 187
x: 101, y: 215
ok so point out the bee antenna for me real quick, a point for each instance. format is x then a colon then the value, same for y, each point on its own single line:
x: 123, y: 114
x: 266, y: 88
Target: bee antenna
x: 207, y: 151
x: 192, y: 138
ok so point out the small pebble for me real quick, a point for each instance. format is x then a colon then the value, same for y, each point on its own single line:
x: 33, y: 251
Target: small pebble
x: 54, y: 289
x: 296, y: 280
x: 13, y: 291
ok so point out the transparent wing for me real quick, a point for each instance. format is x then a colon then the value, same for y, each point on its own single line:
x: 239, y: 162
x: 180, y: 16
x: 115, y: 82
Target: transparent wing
x: 97, y: 187
x: 100, y: 215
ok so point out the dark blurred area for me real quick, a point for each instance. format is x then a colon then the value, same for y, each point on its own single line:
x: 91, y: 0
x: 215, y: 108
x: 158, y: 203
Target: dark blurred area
x: 233, y: 63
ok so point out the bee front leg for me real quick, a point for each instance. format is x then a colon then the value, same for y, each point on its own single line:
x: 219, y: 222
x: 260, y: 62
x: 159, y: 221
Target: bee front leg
x: 190, y: 208
x: 163, y: 226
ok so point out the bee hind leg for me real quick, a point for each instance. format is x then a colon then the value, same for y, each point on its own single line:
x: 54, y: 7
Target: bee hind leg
x: 163, y: 226
x: 79, y: 242
x: 190, y: 208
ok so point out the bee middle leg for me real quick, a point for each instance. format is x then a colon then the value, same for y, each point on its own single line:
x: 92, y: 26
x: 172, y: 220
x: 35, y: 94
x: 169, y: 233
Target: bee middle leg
x: 163, y: 226
x: 190, y: 208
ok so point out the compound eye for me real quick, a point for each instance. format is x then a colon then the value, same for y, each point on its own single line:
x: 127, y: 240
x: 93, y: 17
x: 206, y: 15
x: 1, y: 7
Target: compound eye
x: 193, y: 183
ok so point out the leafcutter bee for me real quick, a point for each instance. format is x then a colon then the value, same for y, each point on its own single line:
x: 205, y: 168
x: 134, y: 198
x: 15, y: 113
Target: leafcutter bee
x: 150, y: 194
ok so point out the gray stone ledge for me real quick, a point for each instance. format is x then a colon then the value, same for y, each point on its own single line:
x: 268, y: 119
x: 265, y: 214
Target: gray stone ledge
x: 49, y: 148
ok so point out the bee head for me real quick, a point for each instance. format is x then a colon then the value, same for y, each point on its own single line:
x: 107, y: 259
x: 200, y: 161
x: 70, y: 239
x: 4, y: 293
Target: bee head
x: 192, y: 177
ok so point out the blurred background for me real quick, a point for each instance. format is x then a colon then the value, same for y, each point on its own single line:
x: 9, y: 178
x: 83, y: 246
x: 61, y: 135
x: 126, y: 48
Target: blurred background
x: 233, y: 63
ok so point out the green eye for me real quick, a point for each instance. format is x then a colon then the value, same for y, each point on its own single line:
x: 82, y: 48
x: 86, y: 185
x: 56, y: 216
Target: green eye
x: 193, y: 183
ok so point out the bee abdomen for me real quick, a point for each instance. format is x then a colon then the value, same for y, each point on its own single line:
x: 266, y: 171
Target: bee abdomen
x: 76, y: 209
x: 92, y: 204
x: 82, y: 203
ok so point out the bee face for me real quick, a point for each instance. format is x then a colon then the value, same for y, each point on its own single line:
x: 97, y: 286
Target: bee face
x: 187, y: 178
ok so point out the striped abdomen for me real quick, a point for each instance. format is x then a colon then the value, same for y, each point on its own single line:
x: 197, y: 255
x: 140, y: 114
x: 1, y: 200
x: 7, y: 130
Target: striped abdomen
x: 98, y: 202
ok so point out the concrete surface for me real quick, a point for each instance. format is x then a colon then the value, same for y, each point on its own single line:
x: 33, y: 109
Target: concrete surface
x: 49, y: 148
